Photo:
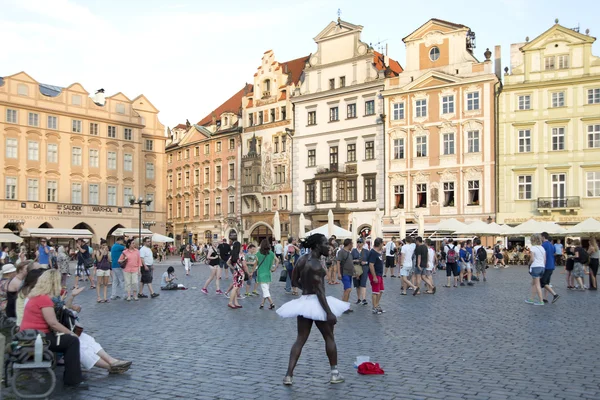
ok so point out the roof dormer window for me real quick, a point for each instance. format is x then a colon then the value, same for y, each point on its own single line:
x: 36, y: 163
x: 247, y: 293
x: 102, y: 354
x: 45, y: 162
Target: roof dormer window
x: 267, y: 88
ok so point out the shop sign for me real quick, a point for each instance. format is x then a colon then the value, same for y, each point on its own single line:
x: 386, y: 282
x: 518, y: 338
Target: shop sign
x: 69, y: 209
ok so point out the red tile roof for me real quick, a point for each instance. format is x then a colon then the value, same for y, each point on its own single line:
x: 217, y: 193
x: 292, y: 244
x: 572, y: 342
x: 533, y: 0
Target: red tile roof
x: 233, y: 104
x: 295, y: 67
x: 394, y: 69
x: 181, y: 126
x: 441, y: 21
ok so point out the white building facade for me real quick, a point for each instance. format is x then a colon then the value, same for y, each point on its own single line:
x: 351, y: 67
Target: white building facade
x: 338, y: 130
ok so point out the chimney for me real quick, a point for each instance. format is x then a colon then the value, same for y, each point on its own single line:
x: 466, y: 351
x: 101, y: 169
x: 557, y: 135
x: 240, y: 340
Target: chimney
x: 498, y: 62
x: 386, y: 59
x: 99, y: 97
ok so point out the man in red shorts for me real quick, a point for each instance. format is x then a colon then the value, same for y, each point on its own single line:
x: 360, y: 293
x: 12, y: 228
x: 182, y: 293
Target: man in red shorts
x: 376, y: 274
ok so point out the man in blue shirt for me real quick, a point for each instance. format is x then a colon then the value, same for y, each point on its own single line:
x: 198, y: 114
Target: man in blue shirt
x: 558, y: 252
x: 549, y: 267
x: 118, y: 280
x: 43, y: 254
x: 360, y: 256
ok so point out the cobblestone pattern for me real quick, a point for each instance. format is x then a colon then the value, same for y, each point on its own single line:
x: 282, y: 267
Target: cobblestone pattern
x: 480, y: 342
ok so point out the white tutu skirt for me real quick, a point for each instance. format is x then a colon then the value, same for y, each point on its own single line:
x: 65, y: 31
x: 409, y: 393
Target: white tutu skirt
x: 308, y: 306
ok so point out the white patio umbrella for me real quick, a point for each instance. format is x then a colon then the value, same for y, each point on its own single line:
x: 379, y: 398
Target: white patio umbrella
x: 402, y: 224
x: 590, y: 227
x: 338, y: 231
x: 421, y: 220
x: 330, y: 226
x: 354, y: 230
x: 302, y: 227
x: 377, y: 224
x: 449, y: 225
x: 532, y: 226
x: 276, y: 226
x: 158, y: 238
x: 506, y: 230
x: 479, y: 228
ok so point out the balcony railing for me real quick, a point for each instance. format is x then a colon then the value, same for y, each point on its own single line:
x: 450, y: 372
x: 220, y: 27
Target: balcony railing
x: 251, y: 189
x: 559, y: 202
x: 328, y: 168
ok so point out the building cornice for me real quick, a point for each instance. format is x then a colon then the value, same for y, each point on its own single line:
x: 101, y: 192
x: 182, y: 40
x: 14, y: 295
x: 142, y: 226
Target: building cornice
x: 532, y: 85
x: 491, y: 78
x: 326, y: 94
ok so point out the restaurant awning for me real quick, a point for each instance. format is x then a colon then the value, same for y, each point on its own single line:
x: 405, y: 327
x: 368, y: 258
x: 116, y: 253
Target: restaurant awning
x: 6, y: 236
x: 57, y: 233
x: 131, y: 232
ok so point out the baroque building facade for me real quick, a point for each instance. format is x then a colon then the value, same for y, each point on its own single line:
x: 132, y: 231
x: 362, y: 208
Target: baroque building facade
x: 72, y: 160
x: 338, y: 130
x: 202, y: 160
x: 266, y: 163
x: 440, y: 132
x: 549, y: 136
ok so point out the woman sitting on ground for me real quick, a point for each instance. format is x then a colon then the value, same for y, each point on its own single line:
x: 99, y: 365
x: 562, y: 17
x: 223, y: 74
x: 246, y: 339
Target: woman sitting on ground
x: 168, y: 279
x: 90, y: 352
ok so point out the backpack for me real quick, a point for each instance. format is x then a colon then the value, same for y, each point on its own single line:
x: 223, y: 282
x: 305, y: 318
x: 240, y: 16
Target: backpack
x: 451, y: 256
x: 481, y: 254
x: 584, y: 257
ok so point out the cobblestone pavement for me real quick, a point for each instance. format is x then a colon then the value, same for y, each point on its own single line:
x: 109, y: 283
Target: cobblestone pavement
x: 480, y: 342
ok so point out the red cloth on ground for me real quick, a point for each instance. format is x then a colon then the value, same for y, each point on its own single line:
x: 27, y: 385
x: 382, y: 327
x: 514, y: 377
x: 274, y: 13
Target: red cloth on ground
x: 369, y: 368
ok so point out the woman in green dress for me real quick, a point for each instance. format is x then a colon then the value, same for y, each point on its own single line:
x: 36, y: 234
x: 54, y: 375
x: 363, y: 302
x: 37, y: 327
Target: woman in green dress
x: 265, y: 258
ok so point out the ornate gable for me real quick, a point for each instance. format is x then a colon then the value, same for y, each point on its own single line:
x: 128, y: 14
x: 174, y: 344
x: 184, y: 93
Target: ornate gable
x: 557, y: 33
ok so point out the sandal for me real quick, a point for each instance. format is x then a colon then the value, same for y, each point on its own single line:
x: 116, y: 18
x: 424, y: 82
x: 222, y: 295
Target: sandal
x: 231, y: 306
x: 403, y: 293
x: 447, y: 286
x: 272, y: 306
x: 98, y: 301
x: 261, y: 307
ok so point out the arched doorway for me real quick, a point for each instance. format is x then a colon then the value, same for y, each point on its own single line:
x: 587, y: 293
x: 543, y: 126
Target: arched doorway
x: 14, y: 227
x: 208, y: 237
x: 259, y: 233
x: 46, y: 225
x: 83, y: 225
x: 109, y: 236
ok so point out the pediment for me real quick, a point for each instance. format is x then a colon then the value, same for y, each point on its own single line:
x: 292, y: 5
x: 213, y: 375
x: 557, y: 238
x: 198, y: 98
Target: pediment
x: 94, y: 176
x: 193, y: 135
x: 128, y: 180
x: 52, y: 172
x: 52, y: 135
x: 77, y: 175
x: 431, y: 79
x: 142, y: 103
x: 23, y: 77
x: 33, y: 171
x: 78, y: 88
x: 337, y: 29
x: 119, y: 97
x: 94, y: 141
x: 433, y: 26
x: 557, y: 33
x: 34, y: 132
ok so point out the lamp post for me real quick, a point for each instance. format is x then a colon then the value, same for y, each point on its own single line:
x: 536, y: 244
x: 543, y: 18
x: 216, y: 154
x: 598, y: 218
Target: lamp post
x: 140, y: 202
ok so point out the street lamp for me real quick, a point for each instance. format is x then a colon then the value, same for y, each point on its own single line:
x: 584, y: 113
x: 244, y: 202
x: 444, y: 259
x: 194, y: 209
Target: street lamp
x: 140, y: 202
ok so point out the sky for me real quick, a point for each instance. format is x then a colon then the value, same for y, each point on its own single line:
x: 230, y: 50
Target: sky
x: 189, y: 56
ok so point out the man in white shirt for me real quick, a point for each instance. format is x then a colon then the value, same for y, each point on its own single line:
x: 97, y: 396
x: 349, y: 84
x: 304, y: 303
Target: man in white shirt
x: 147, y: 269
x: 279, y: 251
x: 406, y: 253
x: 390, y: 250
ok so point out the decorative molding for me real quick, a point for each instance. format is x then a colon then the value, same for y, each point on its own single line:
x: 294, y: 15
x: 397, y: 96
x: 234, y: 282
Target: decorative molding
x: 432, y: 38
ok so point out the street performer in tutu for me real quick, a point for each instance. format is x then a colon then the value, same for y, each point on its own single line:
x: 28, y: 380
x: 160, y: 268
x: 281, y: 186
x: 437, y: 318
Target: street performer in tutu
x: 313, y: 306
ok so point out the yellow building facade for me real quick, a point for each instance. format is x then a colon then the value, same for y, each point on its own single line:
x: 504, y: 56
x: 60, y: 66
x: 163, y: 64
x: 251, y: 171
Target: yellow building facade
x: 71, y: 160
x: 549, y: 130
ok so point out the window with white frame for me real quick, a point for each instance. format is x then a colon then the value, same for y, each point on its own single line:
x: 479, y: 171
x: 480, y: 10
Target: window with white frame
x: 351, y: 110
x: 11, y: 116
x: 525, y: 102
x: 206, y: 207
x: 370, y: 150
x: 52, y: 153
x: 421, y: 195
x: 93, y: 194
x: 232, y: 143
x: 52, y: 191
x: 22, y: 89
x: 93, y: 129
x: 421, y: 146
x: 312, y: 158
x: 231, y: 174
x: 472, y: 101
x: 149, y: 145
x: 76, y: 196
x: 593, y: 184
x: 525, y: 187
x: 351, y: 152
x: 558, y: 99
x: 473, y: 141
x: 334, y: 114
x: 186, y: 179
x: 179, y: 175
x: 232, y: 205
x: 112, y: 132
x: 111, y: 195
x: 312, y: 118
x: 524, y: 141
x: 127, y: 134
x: 218, y: 174
x: 473, y: 193
x: 128, y: 162
x: 370, y: 191
x: 76, y: 126
x: 76, y: 156
x: 593, y: 136
x: 549, y: 63
x: 11, y: 188
x: 127, y: 194
x: 593, y: 96
x: 196, y: 208
x: 448, y: 194
x: 558, y: 138
x: 33, y: 119
x: 370, y: 107
x: 94, y: 158
x: 399, y: 196
x: 398, y: 111
x: 150, y: 170
x: 326, y: 191
x: 178, y: 209
x: 33, y: 190
x: 206, y: 175
x: 398, y: 149
x: 150, y: 207
x: 11, y: 148
x: 52, y: 122
x: 112, y: 160
x: 447, y: 104
x: 448, y: 141
x: 196, y: 177
x: 33, y: 151
x: 563, y: 61
x: 421, y: 108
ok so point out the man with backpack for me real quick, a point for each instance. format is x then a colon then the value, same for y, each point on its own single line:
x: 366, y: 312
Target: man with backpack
x: 480, y: 255
x: 466, y: 255
x: 549, y: 268
x: 451, y: 251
